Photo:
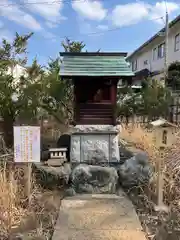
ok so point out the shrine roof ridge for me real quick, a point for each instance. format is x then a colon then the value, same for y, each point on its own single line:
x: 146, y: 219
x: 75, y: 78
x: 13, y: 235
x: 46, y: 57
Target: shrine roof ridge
x: 110, y: 54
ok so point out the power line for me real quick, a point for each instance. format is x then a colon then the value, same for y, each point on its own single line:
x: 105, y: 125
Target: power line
x: 38, y: 3
x: 44, y: 3
x: 90, y: 33
x: 65, y: 1
x: 101, y: 32
x: 108, y: 30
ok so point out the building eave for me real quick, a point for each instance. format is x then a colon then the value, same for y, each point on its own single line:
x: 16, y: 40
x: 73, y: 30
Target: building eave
x: 116, y: 54
x: 171, y: 24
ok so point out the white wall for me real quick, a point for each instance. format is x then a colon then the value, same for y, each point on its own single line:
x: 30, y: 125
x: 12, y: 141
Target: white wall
x: 17, y: 72
x: 147, y: 52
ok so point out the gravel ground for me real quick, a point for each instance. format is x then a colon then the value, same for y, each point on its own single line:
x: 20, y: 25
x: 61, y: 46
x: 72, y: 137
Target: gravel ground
x: 158, y: 226
x: 39, y: 223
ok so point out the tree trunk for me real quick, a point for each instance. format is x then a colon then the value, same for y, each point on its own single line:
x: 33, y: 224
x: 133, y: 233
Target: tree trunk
x: 8, y: 130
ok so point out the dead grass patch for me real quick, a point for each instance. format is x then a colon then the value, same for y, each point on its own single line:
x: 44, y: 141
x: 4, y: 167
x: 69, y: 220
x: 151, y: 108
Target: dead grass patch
x: 36, y: 220
x: 157, y: 226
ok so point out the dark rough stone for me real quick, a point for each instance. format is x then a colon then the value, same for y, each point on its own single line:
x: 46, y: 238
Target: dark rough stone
x: 44, y: 146
x: 70, y: 192
x: 64, y: 141
x: 124, y: 153
x: 85, y: 188
x: 52, y: 176
x: 94, y: 179
x: 135, y: 170
x: 45, y: 155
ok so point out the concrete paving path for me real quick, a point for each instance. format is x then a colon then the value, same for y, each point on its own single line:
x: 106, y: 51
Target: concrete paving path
x: 98, y: 217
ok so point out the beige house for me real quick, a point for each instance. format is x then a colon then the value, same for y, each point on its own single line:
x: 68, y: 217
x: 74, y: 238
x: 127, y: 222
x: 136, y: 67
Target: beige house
x: 148, y: 59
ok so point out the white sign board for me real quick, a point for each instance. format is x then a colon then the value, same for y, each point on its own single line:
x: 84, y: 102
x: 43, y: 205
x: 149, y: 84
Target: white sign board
x: 26, y: 144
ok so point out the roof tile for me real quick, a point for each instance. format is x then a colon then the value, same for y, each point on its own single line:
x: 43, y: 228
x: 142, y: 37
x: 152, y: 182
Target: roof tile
x: 95, y: 65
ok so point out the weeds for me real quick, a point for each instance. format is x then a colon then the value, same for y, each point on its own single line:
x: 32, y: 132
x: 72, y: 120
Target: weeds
x: 162, y: 226
x: 35, y: 219
x: 10, y: 210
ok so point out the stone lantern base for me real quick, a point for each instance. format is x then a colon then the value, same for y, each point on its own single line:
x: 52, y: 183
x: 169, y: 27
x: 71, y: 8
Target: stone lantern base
x: 95, y: 144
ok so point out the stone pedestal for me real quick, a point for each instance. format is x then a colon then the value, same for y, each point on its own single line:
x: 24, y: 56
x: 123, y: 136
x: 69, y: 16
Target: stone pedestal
x: 95, y: 144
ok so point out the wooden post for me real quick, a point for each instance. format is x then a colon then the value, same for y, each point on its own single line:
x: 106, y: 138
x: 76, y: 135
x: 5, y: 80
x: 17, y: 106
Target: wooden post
x: 28, y: 183
x: 160, y: 182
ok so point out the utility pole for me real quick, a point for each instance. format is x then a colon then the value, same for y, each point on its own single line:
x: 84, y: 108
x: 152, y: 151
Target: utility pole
x: 166, y: 47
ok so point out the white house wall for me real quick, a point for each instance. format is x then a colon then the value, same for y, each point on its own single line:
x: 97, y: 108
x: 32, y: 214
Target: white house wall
x: 173, y: 55
x: 147, y: 52
x: 17, y: 72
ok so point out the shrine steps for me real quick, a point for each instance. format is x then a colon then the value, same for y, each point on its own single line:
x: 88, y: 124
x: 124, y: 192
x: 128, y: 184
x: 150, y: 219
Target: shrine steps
x: 96, y: 114
x: 96, y: 121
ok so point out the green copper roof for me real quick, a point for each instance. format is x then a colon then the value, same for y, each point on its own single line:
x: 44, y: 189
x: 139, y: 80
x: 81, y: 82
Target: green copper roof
x: 95, y: 64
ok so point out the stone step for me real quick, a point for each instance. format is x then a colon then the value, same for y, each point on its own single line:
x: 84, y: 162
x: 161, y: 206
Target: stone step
x: 98, y: 120
x: 107, y: 217
x: 95, y: 115
x: 96, y: 110
x: 96, y: 106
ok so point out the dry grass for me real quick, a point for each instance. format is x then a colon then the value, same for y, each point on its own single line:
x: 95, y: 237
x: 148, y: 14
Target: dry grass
x: 170, y: 225
x: 140, y: 138
x: 36, y: 219
x: 10, y: 210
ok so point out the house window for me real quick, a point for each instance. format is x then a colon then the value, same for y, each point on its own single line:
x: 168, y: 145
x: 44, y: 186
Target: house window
x: 164, y: 137
x: 134, y: 65
x: 154, y: 53
x: 177, y: 42
x: 161, y: 50
x: 146, y: 62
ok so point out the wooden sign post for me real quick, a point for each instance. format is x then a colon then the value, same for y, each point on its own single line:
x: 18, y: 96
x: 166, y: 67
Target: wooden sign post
x: 28, y: 181
x: 160, y: 181
x: 27, y: 151
x: 164, y: 138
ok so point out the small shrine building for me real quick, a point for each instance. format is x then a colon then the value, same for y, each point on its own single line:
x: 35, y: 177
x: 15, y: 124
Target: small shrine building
x: 95, y: 76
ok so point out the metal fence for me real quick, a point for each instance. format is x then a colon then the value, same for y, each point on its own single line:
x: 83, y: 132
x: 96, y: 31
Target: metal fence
x: 174, y: 112
x: 134, y: 120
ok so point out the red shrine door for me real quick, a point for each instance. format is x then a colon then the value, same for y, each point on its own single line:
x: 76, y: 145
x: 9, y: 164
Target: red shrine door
x: 94, y: 102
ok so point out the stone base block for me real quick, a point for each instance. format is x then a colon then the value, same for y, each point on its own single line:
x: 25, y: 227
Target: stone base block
x: 95, y: 144
x: 93, y: 179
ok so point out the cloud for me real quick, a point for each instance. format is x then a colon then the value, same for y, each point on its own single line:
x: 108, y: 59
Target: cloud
x: 4, y: 33
x: 92, y: 10
x: 133, y: 13
x: 127, y: 14
x: 85, y: 27
x: 50, y: 10
x: 102, y: 27
x: 50, y: 36
x: 16, y: 14
x: 159, y: 10
x: 89, y: 28
x: 51, y: 24
x: 1, y: 24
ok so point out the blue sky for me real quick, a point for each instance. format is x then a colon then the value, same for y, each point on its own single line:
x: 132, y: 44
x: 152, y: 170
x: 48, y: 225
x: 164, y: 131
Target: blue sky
x: 109, y: 25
